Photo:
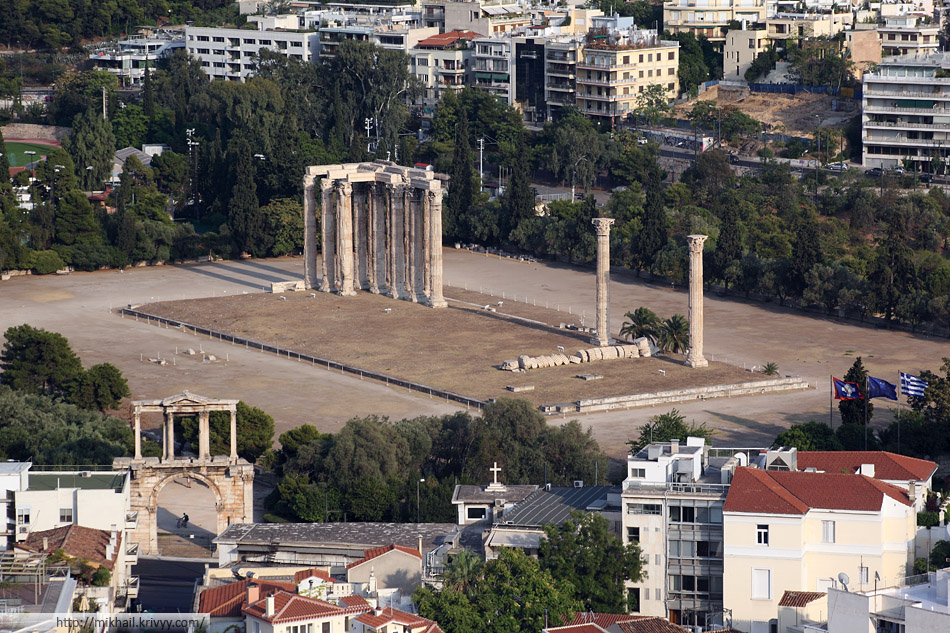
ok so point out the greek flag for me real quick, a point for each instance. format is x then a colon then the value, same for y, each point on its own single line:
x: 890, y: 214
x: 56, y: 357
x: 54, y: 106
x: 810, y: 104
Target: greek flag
x: 912, y: 385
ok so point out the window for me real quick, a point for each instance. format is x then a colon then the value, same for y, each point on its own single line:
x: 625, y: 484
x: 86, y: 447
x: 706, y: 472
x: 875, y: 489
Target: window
x: 863, y: 575
x: 296, y: 44
x: 656, y: 594
x: 669, y: 55
x: 638, y: 473
x: 217, y: 39
x: 827, y: 531
x: 689, y: 583
x: 762, y: 534
x: 689, y: 515
x: 23, y: 516
x: 633, y: 534
x: 645, y: 508
x: 265, y: 42
x: 656, y: 559
x: 641, y: 74
x: 650, y: 73
x: 641, y: 60
x: 751, y: 42
x: 761, y: 584
x: 202, y: 38
x: 325, y: 628
x: 65, y: 515
x: 626, y: 59
x: 635, y: 598
x: 250, y: 41
x: 675, y: 514
x: 670, y: 86
x: 670, y: 70
x: 650, y: 57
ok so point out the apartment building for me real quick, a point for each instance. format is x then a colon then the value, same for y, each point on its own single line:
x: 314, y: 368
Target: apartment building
x: 444, y: 62
x: 740, y: 50
x: 906, y: 111
x: 672, y: 506
x: 493, y: 67
x: 799, y: 26
x: 560, y: 73
x: 915, y: 605
x: 710, y: 17
x: 488, y: 17
x: 616, y: 66
x: 14, y: 476
x: 230, y: 54
x: 794, y: 531
x: 908, y: 34
x: 128, y: 58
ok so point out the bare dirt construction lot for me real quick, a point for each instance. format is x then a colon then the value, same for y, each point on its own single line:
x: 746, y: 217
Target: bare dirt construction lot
x: 743, y: 333
x: 788, y: 114
x: 457, y: 349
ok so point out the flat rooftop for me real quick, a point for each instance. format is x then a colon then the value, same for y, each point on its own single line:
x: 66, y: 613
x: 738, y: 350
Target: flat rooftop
x: 90, y: 481
x: 344, y: 536
x: 555, y: 505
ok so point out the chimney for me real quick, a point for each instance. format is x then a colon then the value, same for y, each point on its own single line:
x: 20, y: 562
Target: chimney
x: 110, y: 550
x: 269, y: 606
x: 674, y: 447
x: 420, y: 545
x: 867, y: 470
x: 912, y: 492
x: 45, y: 543
x: 253, y: 593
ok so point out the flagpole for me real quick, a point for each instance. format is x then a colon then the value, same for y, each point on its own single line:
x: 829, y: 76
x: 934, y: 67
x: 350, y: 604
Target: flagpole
x: 867, y: 391
x: 898, y: 413
x: 831, y: 402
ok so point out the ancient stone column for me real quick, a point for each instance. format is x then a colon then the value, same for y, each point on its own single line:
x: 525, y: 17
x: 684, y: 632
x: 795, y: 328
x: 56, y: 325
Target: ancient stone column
x: 694, y: 358
x: 602, y: 227
x: 234, y: 435
x: 408, y: 250
x: 169, y: 435
x: 345, y: 239
x: 204, y: 435
x: 138, y: 435
x: 372, y: 248
x: 390, y: 253
x: 310, y: 229
x: 328, y: 236
x: 426, y: 238
x: 436, y: 300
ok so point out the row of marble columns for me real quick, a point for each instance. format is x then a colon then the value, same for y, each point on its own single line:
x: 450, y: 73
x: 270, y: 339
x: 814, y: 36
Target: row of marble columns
x: 382, y: 238
x: 168, y: 435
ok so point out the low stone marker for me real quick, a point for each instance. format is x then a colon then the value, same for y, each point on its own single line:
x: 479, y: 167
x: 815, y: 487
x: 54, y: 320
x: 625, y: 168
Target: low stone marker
x: 586, y: 377
x: 519, y: 388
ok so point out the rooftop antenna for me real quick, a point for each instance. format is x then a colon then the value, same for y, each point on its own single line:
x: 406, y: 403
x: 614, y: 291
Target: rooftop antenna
x: 844, y: 580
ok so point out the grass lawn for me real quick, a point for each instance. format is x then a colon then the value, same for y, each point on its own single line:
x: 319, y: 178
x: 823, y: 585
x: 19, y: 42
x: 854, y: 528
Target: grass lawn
x: 17, y: 157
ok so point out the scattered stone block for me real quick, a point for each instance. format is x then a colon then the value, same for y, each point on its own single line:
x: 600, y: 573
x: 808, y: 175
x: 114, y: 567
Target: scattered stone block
x: 587, y: 377
x: 190, y: 352
x: 519, y: 388
x: 510, y: 365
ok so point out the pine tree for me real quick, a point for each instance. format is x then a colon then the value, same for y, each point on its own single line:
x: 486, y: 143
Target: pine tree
x: 461, y: 186
x: 244, y: 213
x: 653, y: 236
x: 805, y: 253
x: 729, y: 244
x: 519, y: 199
x: 852, y: 411
x: 91, y: 144
x: 4, y: 162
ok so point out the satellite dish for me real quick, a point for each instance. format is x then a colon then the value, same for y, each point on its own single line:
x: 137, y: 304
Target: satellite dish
x: 844, y: 580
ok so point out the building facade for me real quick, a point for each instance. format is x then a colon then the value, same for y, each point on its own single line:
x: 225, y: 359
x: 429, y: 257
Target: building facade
x: 230, y: 54
x: 710, y: 17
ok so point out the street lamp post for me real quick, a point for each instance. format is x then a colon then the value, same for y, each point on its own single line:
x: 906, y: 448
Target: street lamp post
x: 818, y: 162
x: 418, y: 509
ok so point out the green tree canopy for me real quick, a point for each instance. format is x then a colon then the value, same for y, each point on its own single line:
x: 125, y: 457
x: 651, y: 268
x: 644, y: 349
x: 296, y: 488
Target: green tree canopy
x: 583, y: 552
x: 91, y: 144
x: 810, y: 436
x: 37, y: 361
x: 669, y: 426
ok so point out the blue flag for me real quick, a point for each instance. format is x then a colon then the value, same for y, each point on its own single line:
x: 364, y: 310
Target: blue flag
x: 878, y: 388
x: 846, y: 390
x: 912, y: 385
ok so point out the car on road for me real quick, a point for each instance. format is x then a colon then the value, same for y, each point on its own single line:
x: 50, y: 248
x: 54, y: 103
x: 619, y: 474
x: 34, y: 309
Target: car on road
x: 842, y: 166
x: 897, y: 170
x: 925, y: 177
x: 876, y: 172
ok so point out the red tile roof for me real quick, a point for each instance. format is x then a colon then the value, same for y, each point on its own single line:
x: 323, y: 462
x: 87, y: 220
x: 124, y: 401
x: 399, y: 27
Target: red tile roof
x: 799, y: 598
x: 577, y: 628
x: 76, y: 541
x: 604, y: 620
x: 355, y: 604
x: 290, y: 607
x: 379, y: 551
x: 229, y: 600
x: 445, y: 40
x: 386, y: 615
x: 886, y: 465
x: 787, y: 492
x: 322, y: 574
x: 651, y: 625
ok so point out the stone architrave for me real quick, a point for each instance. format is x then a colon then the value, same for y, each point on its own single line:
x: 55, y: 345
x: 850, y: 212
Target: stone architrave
x: 602, y: 227
x: 230, y: 478
x: 381, y: 231
x: 694, y: 357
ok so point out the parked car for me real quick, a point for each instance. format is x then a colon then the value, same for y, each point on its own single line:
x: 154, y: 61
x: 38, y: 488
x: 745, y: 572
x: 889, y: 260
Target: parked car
x: 925, y: 177
x: 897, y: 170
x: 876, y: 172
x: 842, y: 166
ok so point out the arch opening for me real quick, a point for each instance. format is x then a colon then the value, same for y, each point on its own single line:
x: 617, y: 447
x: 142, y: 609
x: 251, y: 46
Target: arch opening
x: 191, y: 495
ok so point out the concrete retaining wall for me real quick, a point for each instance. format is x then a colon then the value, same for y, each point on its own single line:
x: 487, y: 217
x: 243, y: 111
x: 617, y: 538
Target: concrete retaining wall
x: 33, y: 131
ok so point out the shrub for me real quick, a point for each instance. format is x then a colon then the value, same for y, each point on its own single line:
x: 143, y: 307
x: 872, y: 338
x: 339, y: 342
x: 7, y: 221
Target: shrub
x: 47, y: 262
x: 928, y: 519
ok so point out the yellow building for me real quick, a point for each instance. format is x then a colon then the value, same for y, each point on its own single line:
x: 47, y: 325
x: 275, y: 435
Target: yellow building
x: 799, y: 531
x: 616, y: 66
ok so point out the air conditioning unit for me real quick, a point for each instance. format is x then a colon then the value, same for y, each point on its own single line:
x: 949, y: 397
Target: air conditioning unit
x: 578, y: 483
x: 499, y: 503
x: 85, y: 473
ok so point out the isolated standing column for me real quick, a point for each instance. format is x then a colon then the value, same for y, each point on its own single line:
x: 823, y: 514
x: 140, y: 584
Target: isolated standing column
x: 602, y: 227
x: 695, y: 358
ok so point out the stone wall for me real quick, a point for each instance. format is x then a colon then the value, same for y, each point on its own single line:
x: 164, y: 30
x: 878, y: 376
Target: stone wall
x: 39, y: 132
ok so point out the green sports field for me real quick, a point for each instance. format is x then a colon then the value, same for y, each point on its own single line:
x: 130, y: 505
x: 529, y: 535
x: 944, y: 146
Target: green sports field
x: 17, y: 156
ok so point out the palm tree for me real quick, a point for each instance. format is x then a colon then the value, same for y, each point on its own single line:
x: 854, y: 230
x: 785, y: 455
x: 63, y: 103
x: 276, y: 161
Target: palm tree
x: 641, y: 322
x: 674, y: 334
x: 770, y: 369
x: 462, y: 571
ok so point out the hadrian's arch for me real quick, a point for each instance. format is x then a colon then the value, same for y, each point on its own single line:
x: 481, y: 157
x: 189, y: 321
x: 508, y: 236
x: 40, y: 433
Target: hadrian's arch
x: 229, y: 478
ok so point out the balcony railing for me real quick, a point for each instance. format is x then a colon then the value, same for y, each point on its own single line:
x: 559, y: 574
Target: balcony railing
x: 887, y: 108
x: 131, y: 588
x: 682, y: 488
x: 881, y: 94
x: 131, y: 520
x: 935, y: 126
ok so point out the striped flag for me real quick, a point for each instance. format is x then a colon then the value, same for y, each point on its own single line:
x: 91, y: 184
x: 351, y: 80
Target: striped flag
x: 912, y: 385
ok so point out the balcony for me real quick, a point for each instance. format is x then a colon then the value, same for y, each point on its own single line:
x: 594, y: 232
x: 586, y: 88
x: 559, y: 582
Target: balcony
x: 560, y: 100
x: 595, y: 112
x: 130, y: 589
x: 455, y: 70
x: 565, y: 87
x: 718, y: 490
x: 131, y: 520
x: 559, y: 71
x: 881, y: 94
x: 132, y: 554
x: 886, y: 108
x: 911, y: 142
x: 607, y: 82
x: 592, y: 97
x: 914, y: 126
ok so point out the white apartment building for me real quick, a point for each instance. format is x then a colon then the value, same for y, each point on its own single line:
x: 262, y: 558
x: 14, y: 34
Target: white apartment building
x: 906, y: 111
x: 230, y: 53
x: 793, y: 531
x: 494, y: 67
x: 917, y: 605
x: 741, y: 48
x: 443, y: 62
x: 14, y: 476
x: 560, y: 72
x: 710, y: 17
x: 904, y: 34
x: 128, y: 58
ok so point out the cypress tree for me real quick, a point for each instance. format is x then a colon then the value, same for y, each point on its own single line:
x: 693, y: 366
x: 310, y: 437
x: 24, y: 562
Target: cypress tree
x: 244, y: 213
x: 729, y: 244
x: 461, y: 186
x: 4, y: 162
x: 653, y: 236
x: 148, y: 95
x: 519, y: 199
x: 91, y: 144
